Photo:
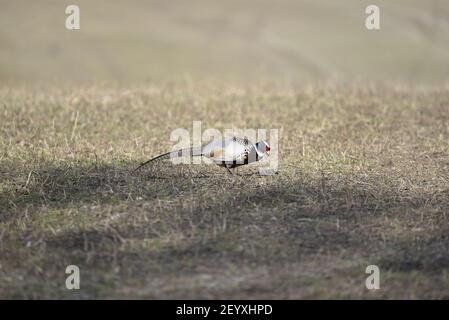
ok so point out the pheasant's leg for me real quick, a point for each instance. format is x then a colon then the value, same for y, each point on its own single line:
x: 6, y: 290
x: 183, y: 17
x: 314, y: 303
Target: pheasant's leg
x: 229, y: 170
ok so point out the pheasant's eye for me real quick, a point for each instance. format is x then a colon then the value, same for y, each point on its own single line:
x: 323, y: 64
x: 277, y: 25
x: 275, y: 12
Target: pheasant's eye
x: 267, y: 148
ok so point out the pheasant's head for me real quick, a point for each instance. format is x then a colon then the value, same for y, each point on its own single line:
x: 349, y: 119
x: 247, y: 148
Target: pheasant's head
x: 262, y: 148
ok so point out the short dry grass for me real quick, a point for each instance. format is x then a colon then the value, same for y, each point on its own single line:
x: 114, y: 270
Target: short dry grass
x: 363, y: 179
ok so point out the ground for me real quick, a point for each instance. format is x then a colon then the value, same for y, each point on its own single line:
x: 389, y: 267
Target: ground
x: 362, y: 180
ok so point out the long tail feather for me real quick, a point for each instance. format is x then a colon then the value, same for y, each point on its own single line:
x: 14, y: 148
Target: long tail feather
x: 192, y: 152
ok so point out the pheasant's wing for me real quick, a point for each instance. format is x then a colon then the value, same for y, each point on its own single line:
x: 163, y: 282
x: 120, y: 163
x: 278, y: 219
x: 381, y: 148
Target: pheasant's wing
x: 229, y: 153
x: 228, y: 147
x: 214, y: 153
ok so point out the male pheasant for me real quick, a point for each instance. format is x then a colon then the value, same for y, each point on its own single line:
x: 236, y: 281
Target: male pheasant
x: 229, y: 152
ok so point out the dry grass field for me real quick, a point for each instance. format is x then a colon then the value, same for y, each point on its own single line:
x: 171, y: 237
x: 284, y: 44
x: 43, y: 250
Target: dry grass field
x: 131, y: 41
x: 363, y: 179
x: 363, y: 151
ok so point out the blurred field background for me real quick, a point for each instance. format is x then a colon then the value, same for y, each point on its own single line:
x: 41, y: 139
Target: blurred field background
x: 364, y: 149
x: 287, y: 40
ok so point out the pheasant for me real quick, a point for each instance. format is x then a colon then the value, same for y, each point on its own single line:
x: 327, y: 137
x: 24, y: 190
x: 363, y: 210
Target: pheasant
x: 229, y: 152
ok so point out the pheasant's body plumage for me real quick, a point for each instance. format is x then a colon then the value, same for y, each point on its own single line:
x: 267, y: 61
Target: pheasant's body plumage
x: 229, y: 152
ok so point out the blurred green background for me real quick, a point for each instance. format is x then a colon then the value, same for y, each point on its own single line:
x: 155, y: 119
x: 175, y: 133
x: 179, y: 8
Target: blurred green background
x: 257, y: 40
